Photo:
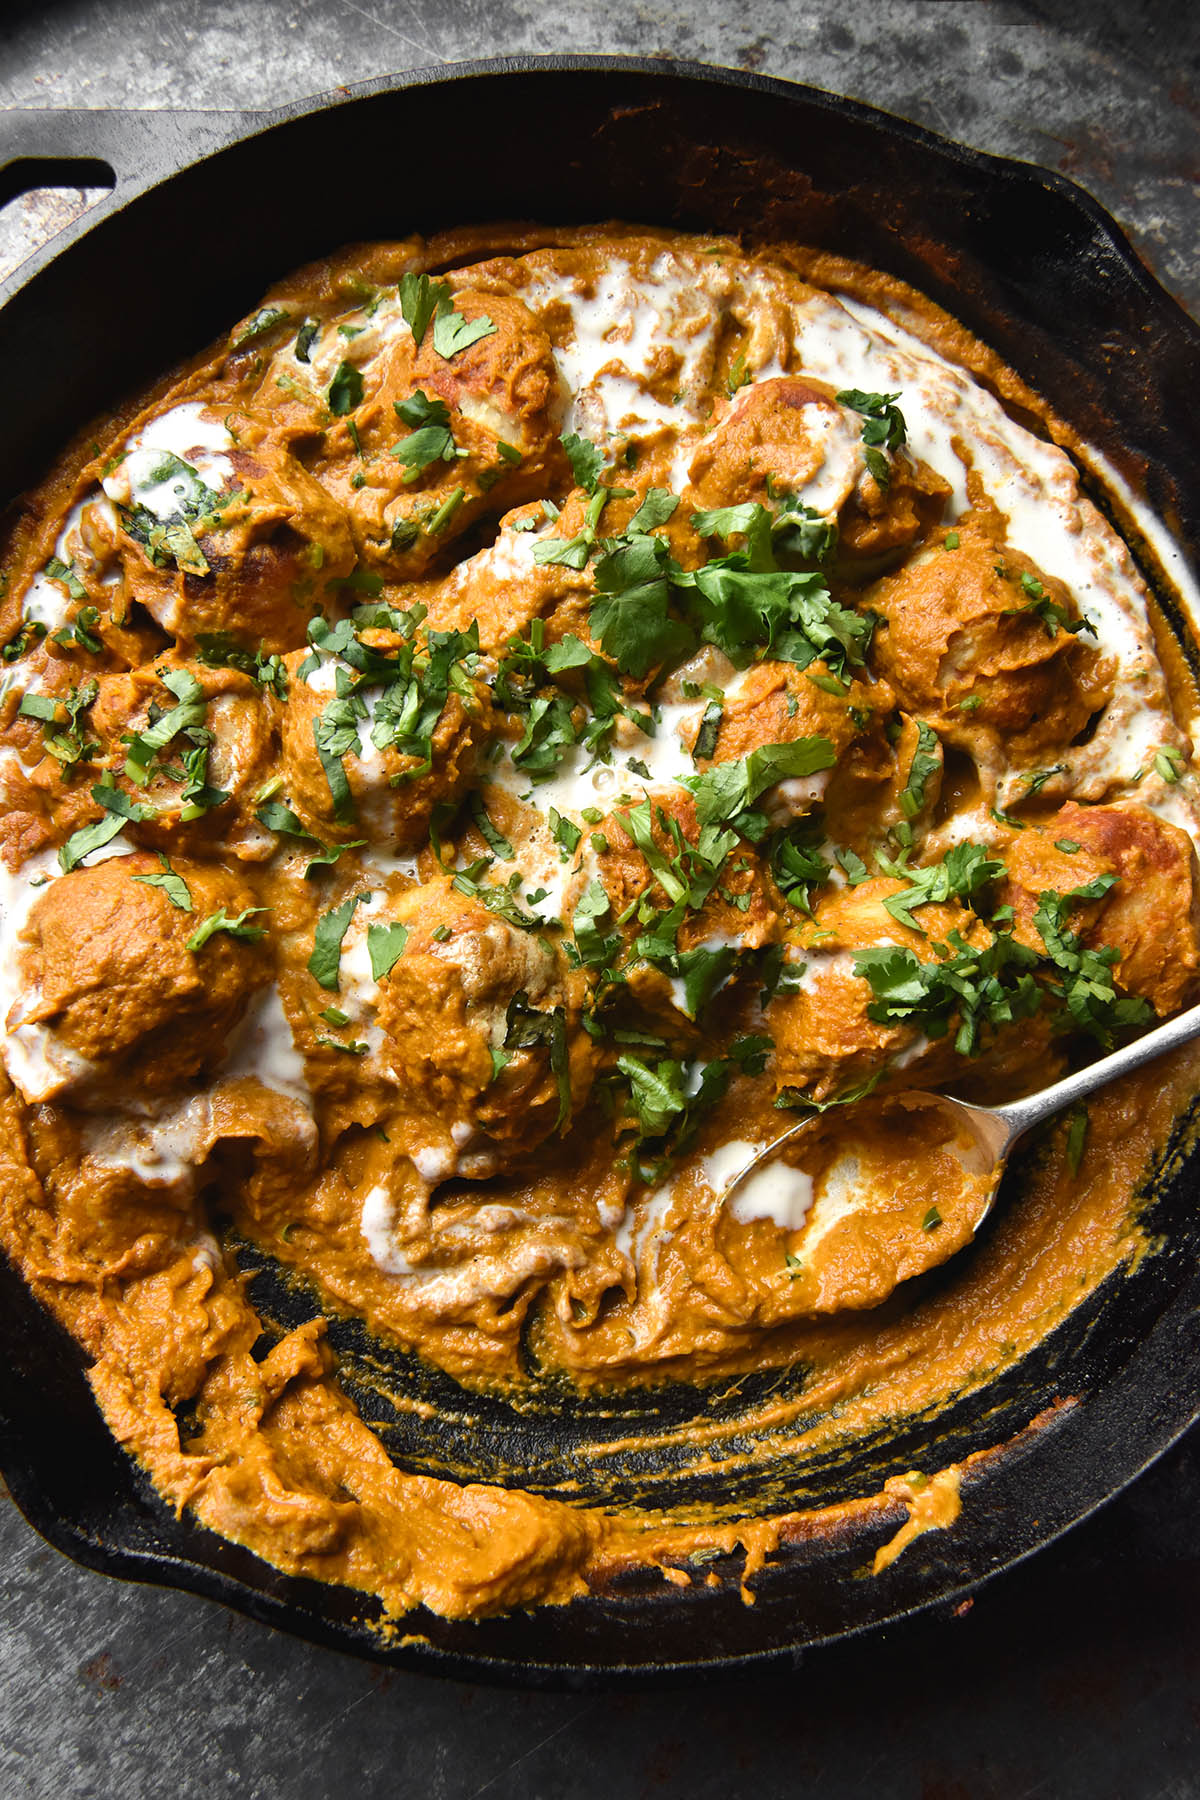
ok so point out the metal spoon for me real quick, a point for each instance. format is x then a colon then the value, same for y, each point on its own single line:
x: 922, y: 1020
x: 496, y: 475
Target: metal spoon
x: 997, y: 1128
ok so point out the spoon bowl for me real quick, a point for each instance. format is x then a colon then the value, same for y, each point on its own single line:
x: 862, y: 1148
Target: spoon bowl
x: 895, y: 1242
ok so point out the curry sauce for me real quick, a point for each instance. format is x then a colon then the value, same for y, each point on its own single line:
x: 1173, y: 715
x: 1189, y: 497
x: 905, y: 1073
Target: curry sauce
x: 488, y: 746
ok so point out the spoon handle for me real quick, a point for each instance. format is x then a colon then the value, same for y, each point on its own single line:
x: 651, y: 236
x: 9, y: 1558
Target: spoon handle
x: 1021, y: 1114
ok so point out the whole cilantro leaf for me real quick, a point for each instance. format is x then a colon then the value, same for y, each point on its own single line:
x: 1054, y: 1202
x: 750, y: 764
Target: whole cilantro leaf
x: 631, y: 618
x: 731, y: 788
x: 420, y: 297
x: 658, y: 505
x: 385, y: 946
x: 586, y: 460
x: 419, y: 409
x: 332, y: 927
x: 174, y: 886
x: 453, y: 334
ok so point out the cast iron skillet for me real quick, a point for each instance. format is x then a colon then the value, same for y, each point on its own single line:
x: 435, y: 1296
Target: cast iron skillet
x: 206, y: 210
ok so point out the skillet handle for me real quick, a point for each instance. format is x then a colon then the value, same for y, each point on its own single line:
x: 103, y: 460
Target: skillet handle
x: 119, y: 152
x: 107, y: 147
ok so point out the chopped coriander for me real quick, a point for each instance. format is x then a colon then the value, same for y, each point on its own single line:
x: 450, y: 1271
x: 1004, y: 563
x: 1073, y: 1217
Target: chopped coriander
x: 779, y: 976
x: 235, y: 927
x: 1054, y: 618
x: 1077, y: 1127
x: 883, y: 428
x: 80, y: 845
x: 219, y: 650
x: 594, y: 948
x: 496, y: 841
x: 950, y: 541
x: 586, y: 460
x: 798, y: 865
x: 966, y: 870
x: 932, y: 1219
x: 385, y: 946
x: 564, y: 832
x: 1068, y: 846
x: 65, y: 572
x: 927, y: 761
x: 420, y: 298
x: 739, y: 376
x: 420, y: 410
x: 264, y: 320
x: 114, y: 800
x: 277, y: 817
x: 29, y: 632
x: 439, y: 520
x: 658, y: 1094
x: 529, y: 1028
x: 855, y: 868
x: 187, y: 716
x: 174, y: 886
x: 326, y: 955
x: 725, y: 792
x: 573, y: 553
x: 452, y: 333
x: 81, y: 631
x: 658, y: 505
x: 431, y: 439
x: 1081, y: 977
x: 345, y: 390
x: 829, y: 684
x: 39, y: 706
x: 347, y: 1048
x: 672, y: 1097
x: 335, y: 772
x: 325, y: 855
x: 992, y: 987
x: 710, y: 729
x: 305, y: 338
x: 1036, y: 779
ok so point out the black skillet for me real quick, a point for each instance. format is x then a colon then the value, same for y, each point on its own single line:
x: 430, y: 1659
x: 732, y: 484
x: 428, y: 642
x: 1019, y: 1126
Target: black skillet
x: 206, y: 211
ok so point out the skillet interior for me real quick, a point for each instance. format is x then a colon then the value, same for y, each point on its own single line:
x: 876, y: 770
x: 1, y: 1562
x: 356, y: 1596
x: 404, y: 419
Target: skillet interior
x: 1034, y: 269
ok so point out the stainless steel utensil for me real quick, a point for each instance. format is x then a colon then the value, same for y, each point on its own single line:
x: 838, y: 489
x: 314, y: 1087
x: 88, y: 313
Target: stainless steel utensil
x: 996, y: 1129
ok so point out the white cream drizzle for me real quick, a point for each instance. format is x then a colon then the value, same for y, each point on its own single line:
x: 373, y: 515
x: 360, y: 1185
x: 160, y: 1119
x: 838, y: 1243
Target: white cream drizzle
x: 38, y: 1063
x: 262, y: 1047
x: 161, y: 1148
x: 47, y: 601
x: 618, y: 330
x: 485, y: 1275
x: 184, y: 432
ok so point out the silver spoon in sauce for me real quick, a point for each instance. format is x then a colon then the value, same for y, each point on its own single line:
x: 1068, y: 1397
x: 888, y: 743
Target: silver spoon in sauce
x: 995, y: 1129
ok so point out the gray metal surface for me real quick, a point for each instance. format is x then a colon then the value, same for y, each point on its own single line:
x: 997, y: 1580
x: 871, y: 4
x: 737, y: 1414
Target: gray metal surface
x: 1077, y: 1675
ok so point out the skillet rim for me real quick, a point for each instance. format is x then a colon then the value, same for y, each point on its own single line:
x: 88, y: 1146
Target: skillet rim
x: 286, y: 1609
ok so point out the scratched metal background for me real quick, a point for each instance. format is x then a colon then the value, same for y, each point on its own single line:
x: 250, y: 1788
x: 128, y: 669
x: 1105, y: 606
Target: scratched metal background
x: 1077, y: 1675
